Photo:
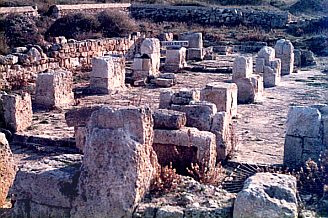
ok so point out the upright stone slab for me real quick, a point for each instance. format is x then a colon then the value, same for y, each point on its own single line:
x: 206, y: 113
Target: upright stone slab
x: 272, y: 73
x: 249, y: 89
x: 151, y: 47
x: 7, y: 169
x: 17, y: 111
x: 284, y: 50
x: 118, y: 165
x: 223, y: 95
x: 306, y: 134
x: 195, y: 49
x: 142, y: 67
x: 267, y: 53
x: 108, y: 74
x: 54, y: 89
x: 175, y: 59
x: 242, y: 68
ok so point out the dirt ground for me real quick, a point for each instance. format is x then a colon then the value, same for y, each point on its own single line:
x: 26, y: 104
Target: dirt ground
x: 260, y: 126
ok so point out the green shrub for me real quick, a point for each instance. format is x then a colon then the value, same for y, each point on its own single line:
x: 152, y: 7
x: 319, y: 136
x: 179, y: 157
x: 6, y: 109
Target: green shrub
x: 74, y: 26
x: 20, y: 30
x: 115, y: 23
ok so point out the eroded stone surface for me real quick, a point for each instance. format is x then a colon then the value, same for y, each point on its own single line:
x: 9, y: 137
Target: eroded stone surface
x: 7, y: 168
x: 267, y: 195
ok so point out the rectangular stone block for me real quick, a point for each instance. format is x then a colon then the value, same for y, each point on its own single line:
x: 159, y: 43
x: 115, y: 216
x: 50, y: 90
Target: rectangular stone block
x: 79, y: 116
x: 293, y: 149
x: 80, y: 134
x: 223, y: 95
x: 187, y: 137
x: 165, y: 99
x: 195, y: 39
x: 242, y: 68
x: 303, y: 122
x: 199, y: 114
x: 51, y: 181
x: 54, y: 89
x: 169, y: 119
x: 119, y: 163
x: 270, y: 77
x: 223, y: 132
x: 17, y: 111
x: 195, y: 54
x: 260, y: 63
x: 175, y: 59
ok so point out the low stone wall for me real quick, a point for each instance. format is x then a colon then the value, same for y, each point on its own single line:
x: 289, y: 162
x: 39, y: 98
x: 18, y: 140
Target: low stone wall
x: 211, y: 15
x: 26, y: 10
x: 58, y: 11
x: 26, y: 62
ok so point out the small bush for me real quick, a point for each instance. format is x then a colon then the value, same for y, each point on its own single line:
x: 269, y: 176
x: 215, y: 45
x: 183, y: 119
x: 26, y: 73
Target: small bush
x: 21, y: 30
x: 115, y: 23
x: 74, y: 26
x: 166, y: 180
x: 205, y: 175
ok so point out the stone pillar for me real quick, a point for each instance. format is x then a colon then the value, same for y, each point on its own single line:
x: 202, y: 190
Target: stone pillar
x: 195, y: 48
x: 272, y: 73
x: 7, y: 168
x: 306, y: 135
x: 142, y: 67
x: 54, y: 89
x: 284, y: 50
x: 17, y: 111
x: 108, y: 74
x: 223, y: 95
x: 151, y: 47
x: 250, y: 86
x: 175, y: 59
x: 119, y: 163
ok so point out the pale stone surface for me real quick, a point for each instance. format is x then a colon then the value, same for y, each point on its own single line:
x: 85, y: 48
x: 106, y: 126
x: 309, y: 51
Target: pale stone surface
x: 195, y: 54
x: 199, y: 114
x: 7, y: 168
x: 17, y: 111
x: 151, y: 47
x: 267, y: 195
x: 169, y: 119
x: 25, y: 208
x: 165, y: 99
x: 270, y: 77
x: 108, y: 73
x: 54, y: 89
x: 267, y: 53
x: 50, y: 183
x: 175, y: 59
x: 142, y: 68
x: 165, y: 83
x: 242, y: 68
x: 249, y: 89
x: 303, y: 122
x: 195, y: 39
x: 169, y: 212
x: 202, y: 140
x: 80, y: 116
x: 223, y: 132
x: 119, y: 163
x: 223, y: 95
x: 259, y: 65
x: 284, y: 50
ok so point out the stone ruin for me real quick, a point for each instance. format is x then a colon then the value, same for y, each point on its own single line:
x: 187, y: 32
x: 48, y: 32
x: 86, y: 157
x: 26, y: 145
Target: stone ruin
x: 270, y: 66
x: 118, y: 166
x: 54, y: 89
x: 250, y: 86
x: 175, y: 59
x: 17, y: 111
x: 205, y: 115
x: 284, y: 50
x: 108, y: 74
x: 195, y: 48
x: 7, y: 168
x: 306, y: 135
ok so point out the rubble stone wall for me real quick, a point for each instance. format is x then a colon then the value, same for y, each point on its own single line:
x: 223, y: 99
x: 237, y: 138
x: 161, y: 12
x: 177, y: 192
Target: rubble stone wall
x: 68, y: 55
x: 211, y: 15
x: 25, y: 10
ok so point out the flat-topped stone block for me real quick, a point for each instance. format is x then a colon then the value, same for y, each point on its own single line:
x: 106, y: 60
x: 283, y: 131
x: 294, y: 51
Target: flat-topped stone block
x: 169, y: 119
x: 242, y: 68
x: 54, y: 89
x: 223, y: 95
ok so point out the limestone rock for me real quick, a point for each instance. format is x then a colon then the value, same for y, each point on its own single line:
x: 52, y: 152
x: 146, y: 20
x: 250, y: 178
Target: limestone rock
x: 267, y: 53
x: 79, y: 116
x: 169, y: 119
x: 242, y: 68
x: 119, y: 163
x: 7, y: 168
x: 169, y: 212
x: 267, y: 195
x: 303, y: 122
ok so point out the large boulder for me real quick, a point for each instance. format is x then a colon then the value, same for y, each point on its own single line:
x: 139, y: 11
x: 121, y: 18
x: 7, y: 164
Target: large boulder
x: 7, y: 168
x: 267, y: 195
